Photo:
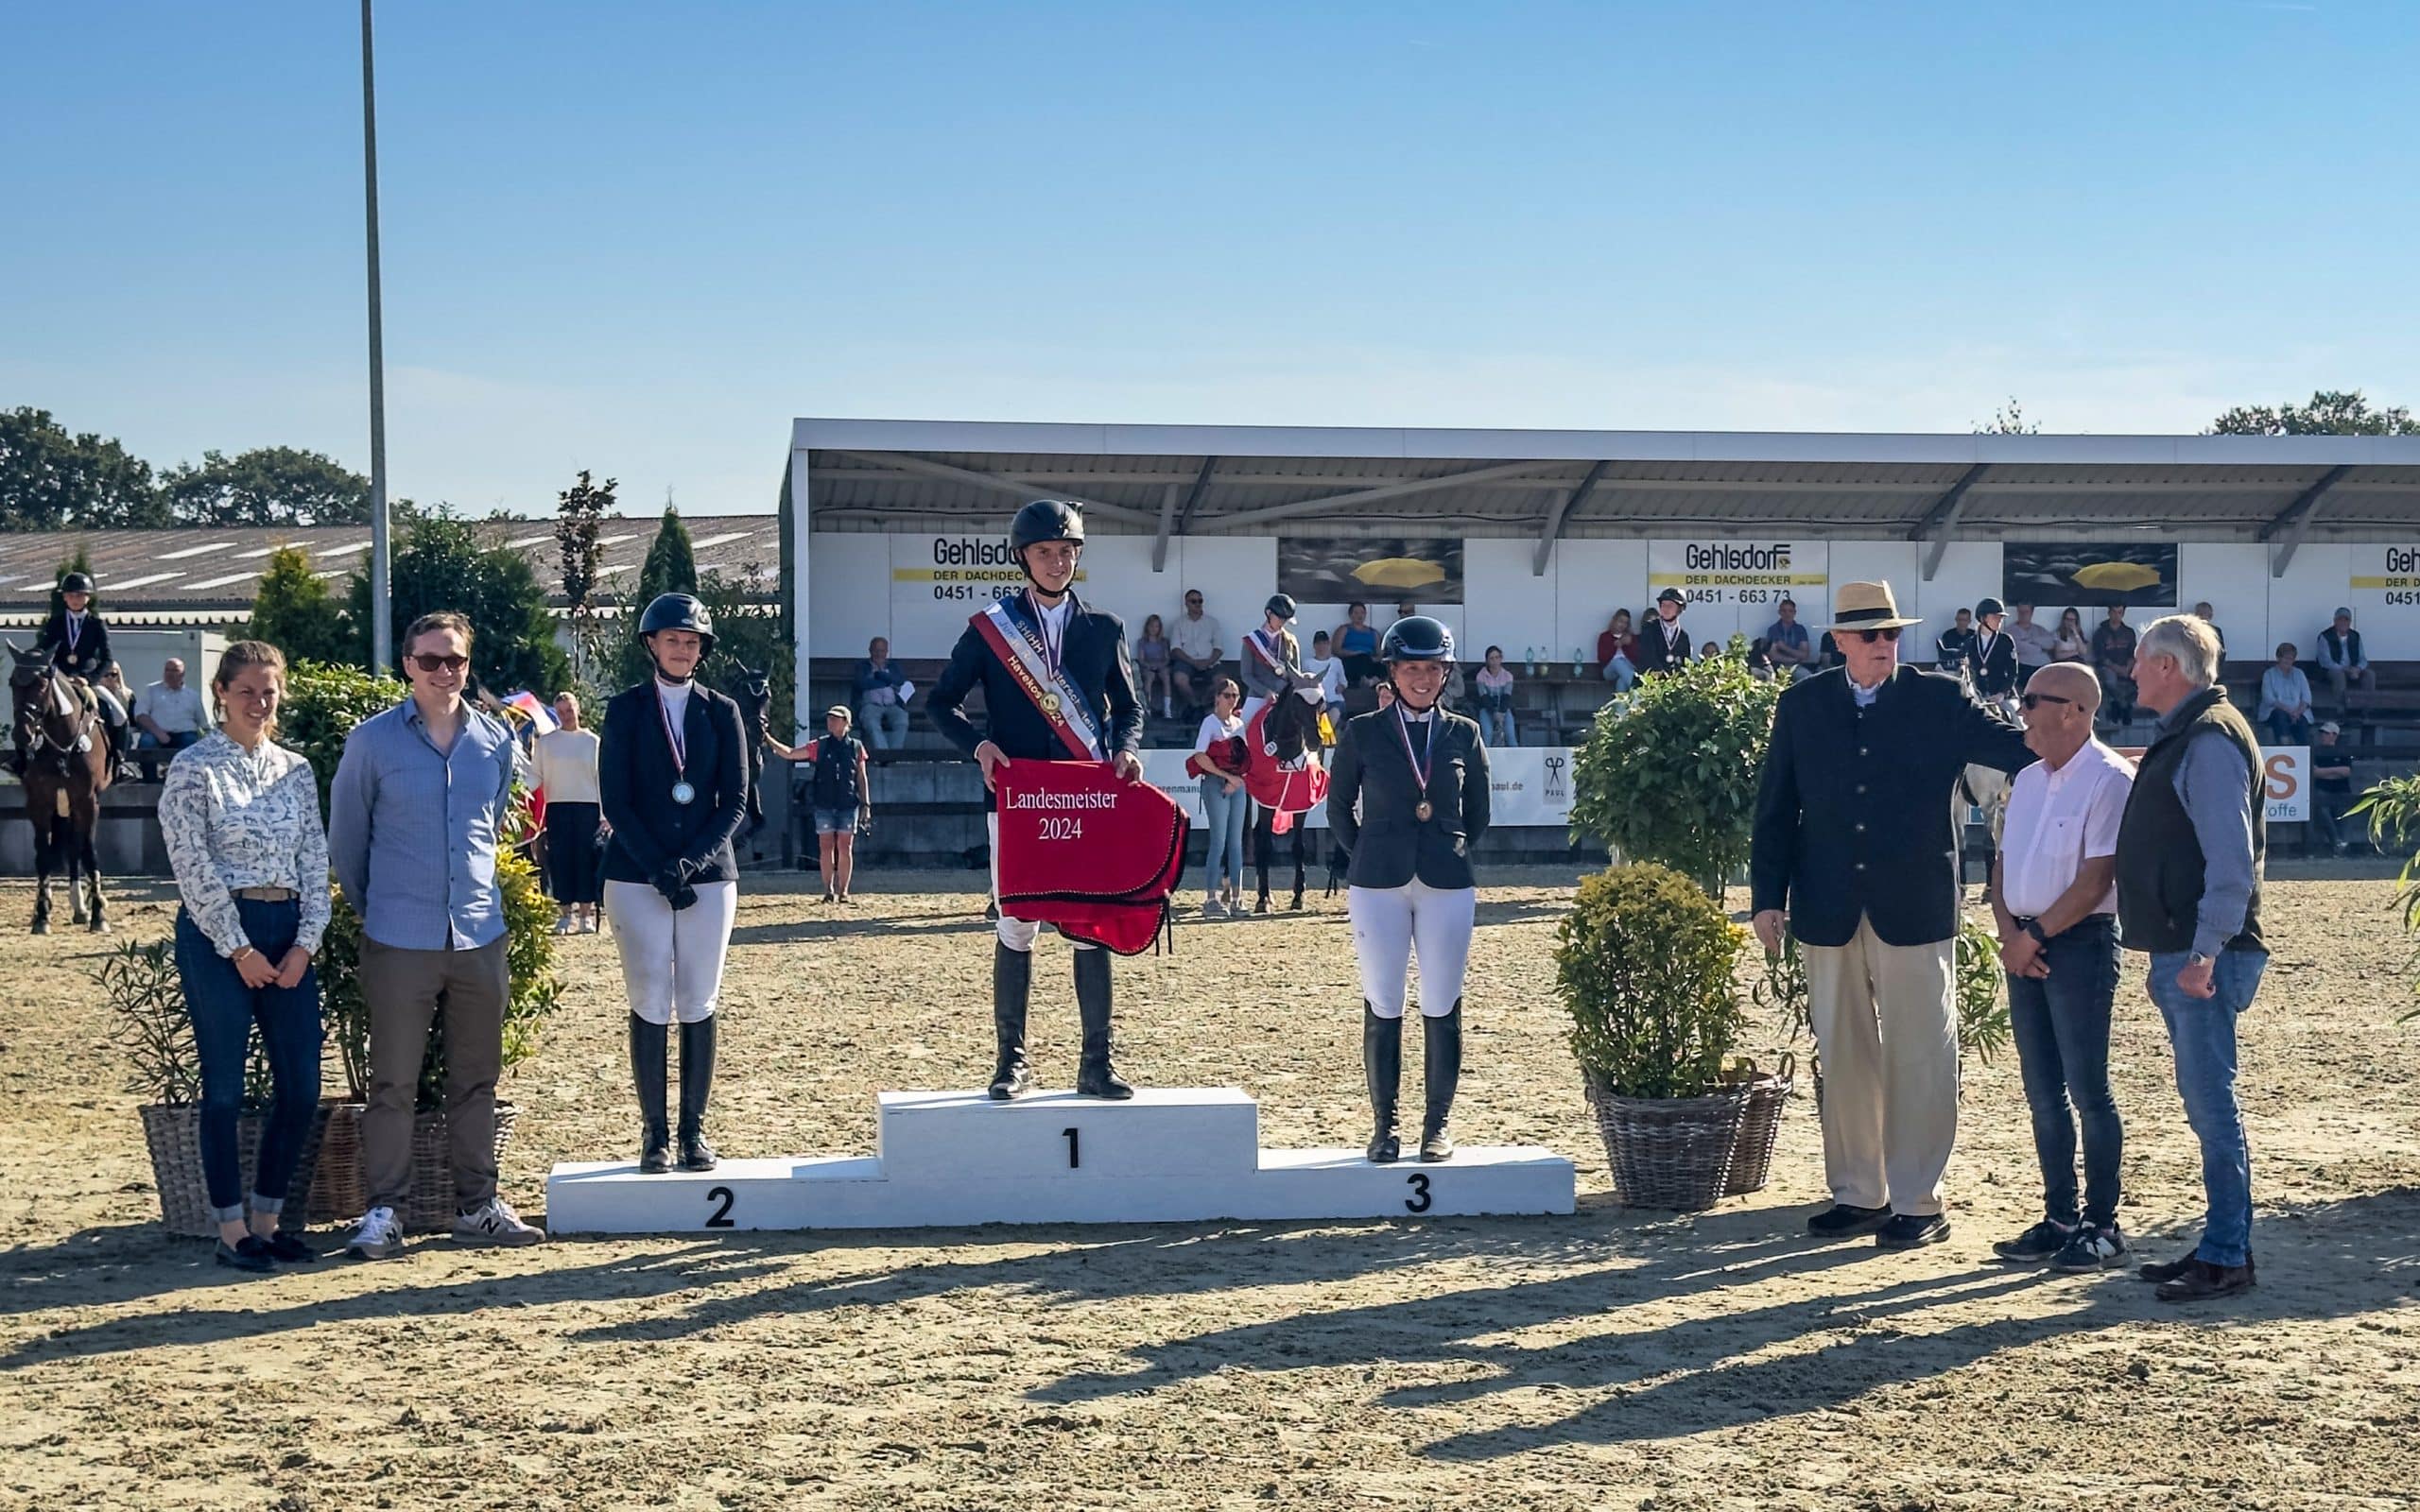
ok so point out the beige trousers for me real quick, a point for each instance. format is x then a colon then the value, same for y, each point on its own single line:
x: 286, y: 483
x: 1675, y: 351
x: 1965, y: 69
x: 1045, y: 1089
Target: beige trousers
x: 1888, y: 1040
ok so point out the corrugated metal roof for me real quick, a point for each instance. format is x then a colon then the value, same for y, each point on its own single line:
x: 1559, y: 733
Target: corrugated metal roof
x: 206, y: 571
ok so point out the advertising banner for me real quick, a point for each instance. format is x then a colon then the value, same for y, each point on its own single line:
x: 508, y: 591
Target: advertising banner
x: 937, y: 581
x: 2289, y: 771
x: 2383, y: 593
x: 1737, y: 585
x: 2090, y: 574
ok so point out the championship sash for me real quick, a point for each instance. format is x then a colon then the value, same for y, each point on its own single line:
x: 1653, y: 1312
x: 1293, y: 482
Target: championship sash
x: 1258, y: 640
x: 1019, y: 647
x: 1088, y: 852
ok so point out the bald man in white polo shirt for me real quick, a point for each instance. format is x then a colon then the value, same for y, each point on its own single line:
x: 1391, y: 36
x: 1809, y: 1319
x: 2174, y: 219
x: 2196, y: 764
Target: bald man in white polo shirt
x: 2054, y: 894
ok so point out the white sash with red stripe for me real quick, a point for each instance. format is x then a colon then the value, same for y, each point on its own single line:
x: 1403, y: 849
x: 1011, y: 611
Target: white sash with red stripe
x: 1063, y: 708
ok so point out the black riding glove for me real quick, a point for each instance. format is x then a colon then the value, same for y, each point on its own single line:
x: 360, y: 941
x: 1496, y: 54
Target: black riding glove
x: 682, y: 897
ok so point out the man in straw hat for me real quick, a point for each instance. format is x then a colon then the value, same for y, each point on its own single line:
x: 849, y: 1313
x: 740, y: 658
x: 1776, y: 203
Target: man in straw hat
x: 1855, y: 852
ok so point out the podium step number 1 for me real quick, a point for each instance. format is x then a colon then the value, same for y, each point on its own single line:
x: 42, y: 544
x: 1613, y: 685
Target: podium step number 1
x: 1170, y: 1155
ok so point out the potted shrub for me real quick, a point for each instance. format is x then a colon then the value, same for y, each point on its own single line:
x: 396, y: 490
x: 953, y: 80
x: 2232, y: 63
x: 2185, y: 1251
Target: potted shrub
x: 150, y: 1028
x: 1668, y: 773
x: 323, y: 705
x: 1643, y: 962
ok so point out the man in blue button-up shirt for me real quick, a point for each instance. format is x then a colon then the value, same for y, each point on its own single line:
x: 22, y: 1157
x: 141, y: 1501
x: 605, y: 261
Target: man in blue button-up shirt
x: 414, y: 815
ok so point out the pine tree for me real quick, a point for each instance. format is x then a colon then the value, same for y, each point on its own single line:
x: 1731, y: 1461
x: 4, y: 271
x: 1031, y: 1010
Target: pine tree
x: 671, y: 567
x: 294, y: 612
x: 80, y: 563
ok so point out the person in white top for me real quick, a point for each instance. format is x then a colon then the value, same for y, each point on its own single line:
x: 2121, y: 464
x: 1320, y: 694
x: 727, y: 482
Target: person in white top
x: 1327, y: 669
x: 566, y: 773
x: 1217, y: 760
x: 168, y: 715
x: 2054, y: 896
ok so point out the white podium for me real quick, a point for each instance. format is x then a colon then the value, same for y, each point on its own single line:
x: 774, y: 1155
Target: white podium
x: 1169, y: 1155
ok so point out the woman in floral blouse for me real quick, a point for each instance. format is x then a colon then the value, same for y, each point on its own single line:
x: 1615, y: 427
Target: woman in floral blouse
x: 241, y: 817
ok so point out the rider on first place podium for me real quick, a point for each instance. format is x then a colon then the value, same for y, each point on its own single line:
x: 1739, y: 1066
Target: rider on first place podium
x: 1057, y: 686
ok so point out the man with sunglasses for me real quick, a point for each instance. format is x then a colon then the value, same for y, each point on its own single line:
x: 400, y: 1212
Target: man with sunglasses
x: 2054, y: 896
x: 1855, y: 853
x: 415, y: 815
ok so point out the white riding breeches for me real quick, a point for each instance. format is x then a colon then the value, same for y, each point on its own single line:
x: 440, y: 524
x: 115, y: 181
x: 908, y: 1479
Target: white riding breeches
x: 671, y: 960
x: 1389, y: 924
x: 1016, y: 933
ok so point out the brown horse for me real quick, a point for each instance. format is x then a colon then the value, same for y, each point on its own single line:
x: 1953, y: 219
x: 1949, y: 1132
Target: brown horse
x: 67, y: 768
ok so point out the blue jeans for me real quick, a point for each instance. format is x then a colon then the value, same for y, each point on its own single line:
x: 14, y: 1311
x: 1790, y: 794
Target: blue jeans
x: 2203, y: 1032
x: 1222, y: 822
x: 1496, y: 727
x: 224, y: 1010
x: 146, y: 746
x: 886, y: 725
x: 2061, y: 1023
x: 2286, y: 729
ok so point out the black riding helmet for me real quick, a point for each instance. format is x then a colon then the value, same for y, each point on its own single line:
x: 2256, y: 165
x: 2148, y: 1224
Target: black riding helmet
x: 1045, y: 520
x: 1281, y: 605
x: 76, y: 583
x: 679, y: 612
x: 1416, y: 637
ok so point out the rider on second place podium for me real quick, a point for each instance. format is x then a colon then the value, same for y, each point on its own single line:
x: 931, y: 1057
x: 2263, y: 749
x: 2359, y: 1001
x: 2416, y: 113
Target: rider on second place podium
x: 1056, y: 681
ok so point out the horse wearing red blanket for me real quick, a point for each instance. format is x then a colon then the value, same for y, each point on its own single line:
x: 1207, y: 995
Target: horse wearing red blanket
x: 1284, y: 776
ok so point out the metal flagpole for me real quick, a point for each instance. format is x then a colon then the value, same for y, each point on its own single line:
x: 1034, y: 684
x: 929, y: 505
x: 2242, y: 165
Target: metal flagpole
x: 381, y: 629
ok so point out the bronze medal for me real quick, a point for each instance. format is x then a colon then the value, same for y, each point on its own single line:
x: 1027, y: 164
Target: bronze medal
x: 1423, y: 810
x: 1050, y: 704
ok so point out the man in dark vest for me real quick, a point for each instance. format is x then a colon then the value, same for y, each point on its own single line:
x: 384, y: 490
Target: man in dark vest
x: 1663, y: 646
x: 1855, y: 853
x: 2189, y: 853
x: 1057, y: 686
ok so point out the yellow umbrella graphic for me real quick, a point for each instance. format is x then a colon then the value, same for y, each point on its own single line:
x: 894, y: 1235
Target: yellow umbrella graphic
x: 2118, y: 577
x: 1399, y: 572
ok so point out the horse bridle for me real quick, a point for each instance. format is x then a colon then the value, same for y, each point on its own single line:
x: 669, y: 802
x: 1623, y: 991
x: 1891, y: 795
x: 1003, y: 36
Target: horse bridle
x: 57, y: 701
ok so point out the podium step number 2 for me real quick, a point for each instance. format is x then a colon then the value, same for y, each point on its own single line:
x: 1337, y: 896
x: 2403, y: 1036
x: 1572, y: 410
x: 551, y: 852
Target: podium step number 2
x: 1172, y: 1155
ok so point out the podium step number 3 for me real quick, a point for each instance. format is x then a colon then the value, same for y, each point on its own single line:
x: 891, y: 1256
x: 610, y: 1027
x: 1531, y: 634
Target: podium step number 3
x: 1170, y: 1155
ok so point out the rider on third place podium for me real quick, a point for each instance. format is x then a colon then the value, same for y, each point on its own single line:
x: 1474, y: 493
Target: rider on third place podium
x: 1407, y: 800
x: 1057, y: 686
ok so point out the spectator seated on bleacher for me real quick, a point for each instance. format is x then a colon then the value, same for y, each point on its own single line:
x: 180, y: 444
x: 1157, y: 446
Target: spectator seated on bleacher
x: 881, y: 692
x: 1788, y: 653
x: 1954, y: 646
x: 1152, y: 668
x: 1492, y: 694
x: 1323, y: 664
x: 1194, y: 652
x: 2285, y: 700
x: 2342, y: 657
x: 2332, y: 788
x: 1618, y: 652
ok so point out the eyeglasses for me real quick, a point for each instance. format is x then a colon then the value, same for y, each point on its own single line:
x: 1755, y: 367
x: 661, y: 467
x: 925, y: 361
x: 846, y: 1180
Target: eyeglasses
x: 434, y: 664
x: 2035, y: 700
x: 1869, y: 637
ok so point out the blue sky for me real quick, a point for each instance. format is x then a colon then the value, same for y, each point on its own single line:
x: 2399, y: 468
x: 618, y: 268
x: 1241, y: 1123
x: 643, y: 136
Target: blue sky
x: 641, y: 238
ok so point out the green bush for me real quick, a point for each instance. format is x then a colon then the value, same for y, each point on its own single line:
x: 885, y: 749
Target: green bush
x: 323, y: 704
x: 1984, y: 1028
x: 1643, y: 962
x: 150, y: 1026
x: 2392, y: 809
x: 1668, y: 773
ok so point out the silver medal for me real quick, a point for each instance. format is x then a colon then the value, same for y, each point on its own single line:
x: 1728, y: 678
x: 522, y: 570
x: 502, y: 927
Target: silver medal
x: 684, y: 793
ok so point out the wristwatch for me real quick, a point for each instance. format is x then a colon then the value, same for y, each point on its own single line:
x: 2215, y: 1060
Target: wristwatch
x: 2033, y: 927
x: 2197, y: 959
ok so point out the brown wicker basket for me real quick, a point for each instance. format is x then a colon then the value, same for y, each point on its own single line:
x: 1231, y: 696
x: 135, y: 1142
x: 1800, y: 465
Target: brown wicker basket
x: 173, y: 1130
x: 338, y: 1194
x: 1752, y: 1156
x: 1670, y: 1152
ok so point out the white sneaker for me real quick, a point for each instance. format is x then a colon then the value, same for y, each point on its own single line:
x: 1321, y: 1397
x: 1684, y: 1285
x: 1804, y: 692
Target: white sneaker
x: 380, y: 1236
x: 493, y: 1222
x: 566, y: 925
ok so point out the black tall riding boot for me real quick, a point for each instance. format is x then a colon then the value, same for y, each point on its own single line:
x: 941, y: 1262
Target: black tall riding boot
x: 1382, y: 1068
x: 1096, y: 1077
x: 1011, y: 986
x: 1441, y: 1072
x: 697, y: 1085
x: 647, y: 1045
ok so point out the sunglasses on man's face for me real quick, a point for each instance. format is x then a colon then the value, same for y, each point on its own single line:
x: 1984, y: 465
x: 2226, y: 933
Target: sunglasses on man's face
x: 1869, y: 637
x: 2035, y: 700
x: 433, y: 665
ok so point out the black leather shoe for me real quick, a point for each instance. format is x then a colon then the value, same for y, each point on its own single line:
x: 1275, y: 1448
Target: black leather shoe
x: 247, y: 1254
x: 696, y: 1087
x: 1908, y: 1230
x: 1840, y: 1220
x: 287, y: 1249
x: 1382, y: 1072
x: 2201, y: 1281
x: 649, y: 1042
x: 1440, y: 1070
x: 1096, y: 1077
x: 2169, y: 1270
x: 1011, y: 987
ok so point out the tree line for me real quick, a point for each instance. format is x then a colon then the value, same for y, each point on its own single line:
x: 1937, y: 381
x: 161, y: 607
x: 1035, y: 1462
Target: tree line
x: 52, y: 479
